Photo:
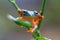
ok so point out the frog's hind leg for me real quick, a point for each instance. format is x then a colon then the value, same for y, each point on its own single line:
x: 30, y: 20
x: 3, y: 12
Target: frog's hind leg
x: 10, y: 17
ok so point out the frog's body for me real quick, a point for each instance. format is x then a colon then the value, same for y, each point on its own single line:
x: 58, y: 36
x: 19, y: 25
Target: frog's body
x: 31, y: 17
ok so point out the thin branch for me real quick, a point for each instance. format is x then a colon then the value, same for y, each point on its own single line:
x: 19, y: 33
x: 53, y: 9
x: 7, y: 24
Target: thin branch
x: 36, y: 34
x: 14, y: 4
x: 43, y: 6
x: 42, y: 12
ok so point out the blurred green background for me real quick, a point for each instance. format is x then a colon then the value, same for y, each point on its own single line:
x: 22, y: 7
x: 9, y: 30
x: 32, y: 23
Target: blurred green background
x: 50, y: 26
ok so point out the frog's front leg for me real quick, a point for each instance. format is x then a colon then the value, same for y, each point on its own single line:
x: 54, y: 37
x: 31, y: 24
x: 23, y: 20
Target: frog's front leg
x: 34, y: 26
x: 32, y: 29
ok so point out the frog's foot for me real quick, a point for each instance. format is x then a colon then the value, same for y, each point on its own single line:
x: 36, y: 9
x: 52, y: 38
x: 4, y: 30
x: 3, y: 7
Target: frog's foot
x: 42, y: 17
x: 30, y: 30
x: 20, y: 18
x: 20, y: 11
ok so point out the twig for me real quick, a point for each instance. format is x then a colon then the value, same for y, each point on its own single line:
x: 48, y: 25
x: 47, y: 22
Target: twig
x: 42, y: 12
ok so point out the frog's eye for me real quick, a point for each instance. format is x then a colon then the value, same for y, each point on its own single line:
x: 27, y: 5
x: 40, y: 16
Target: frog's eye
x: 36, y: 13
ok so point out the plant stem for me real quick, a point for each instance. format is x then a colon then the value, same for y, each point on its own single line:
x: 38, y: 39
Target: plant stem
x: 36, y: 34
x: 42, y: 10
x: 13, y: 2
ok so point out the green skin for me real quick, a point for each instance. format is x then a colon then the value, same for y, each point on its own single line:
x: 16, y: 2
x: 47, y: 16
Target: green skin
x: 36, y: 33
